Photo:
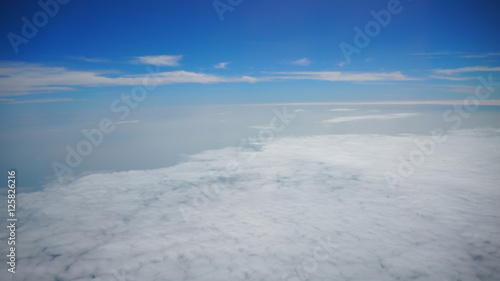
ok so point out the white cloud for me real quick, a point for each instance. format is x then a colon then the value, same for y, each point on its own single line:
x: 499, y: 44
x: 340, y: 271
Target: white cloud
x: 270, y: 216
x: 466, y: 69
x: 18, y: 79
x: 22, y: 79
x: 343, y: 109
x: 342, y: 76
x: 222, y: 65
x: 432, y: 54
x: 160, y: 60
x: 341, y: 64
x: 92, y: 60
x: 456, y: 54
x: 302, y: 62
x: 369, y: 117
x: 127, y: 122
x: 398, y: 102
x: 486, y: 55
x: 13, y: 101
x: 452, y: 78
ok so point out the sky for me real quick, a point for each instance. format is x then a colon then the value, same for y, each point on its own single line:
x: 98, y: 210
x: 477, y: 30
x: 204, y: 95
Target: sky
x: 90, y: 52
x: 251, y: 140
x: 66, y: 65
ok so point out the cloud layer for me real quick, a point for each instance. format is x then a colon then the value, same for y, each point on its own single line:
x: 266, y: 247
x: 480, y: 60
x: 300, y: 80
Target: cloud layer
x: 313, y: 207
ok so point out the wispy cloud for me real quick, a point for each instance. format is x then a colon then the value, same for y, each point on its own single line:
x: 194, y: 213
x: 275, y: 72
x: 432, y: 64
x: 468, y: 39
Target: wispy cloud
x: 23, y: 79
x: 92, y: 60
x: 466, y: 69
x: 19, y: 78
x: 12, y: 101
x: 302, y: 62
x: 438, y: 53
x: 368, y: 117
x: 451, y: 78
x: 456, y: 54
x: 222, y: 65
x: 343, y: 109
x: 342, y: 76
x: 163, y: 60
x: 467, y: 89
x: 341, y: 64
x: 481, y: 55
x: 127, y: 122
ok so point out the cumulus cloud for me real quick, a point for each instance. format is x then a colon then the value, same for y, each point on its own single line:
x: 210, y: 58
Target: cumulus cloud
x: 163, y: 60
x: 316, y: 206
x: 222, y: 65
x: 302, y: 62
x: 368, y: 117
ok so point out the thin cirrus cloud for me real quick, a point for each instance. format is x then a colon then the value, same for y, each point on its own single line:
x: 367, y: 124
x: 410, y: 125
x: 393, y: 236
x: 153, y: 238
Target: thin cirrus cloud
x: 456, y: 54
x: 343, y: 76
x: 222, y: 65
x: 368, y: 117
x: 451, y: 78
x: 12, y: 101
x: 466, y: 69
x: 91, y: 60
x: 18, y: 79
x: 486, y: 55
x: 435, y: 54
x: 302, y: 62
x: 23, y: 79
x: 163, y: 60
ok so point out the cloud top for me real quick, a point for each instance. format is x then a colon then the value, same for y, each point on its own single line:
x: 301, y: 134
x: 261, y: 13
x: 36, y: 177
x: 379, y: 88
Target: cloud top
x: 294, y: 197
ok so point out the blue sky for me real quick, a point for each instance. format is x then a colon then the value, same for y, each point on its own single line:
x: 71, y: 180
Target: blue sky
x: 90, y: 52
